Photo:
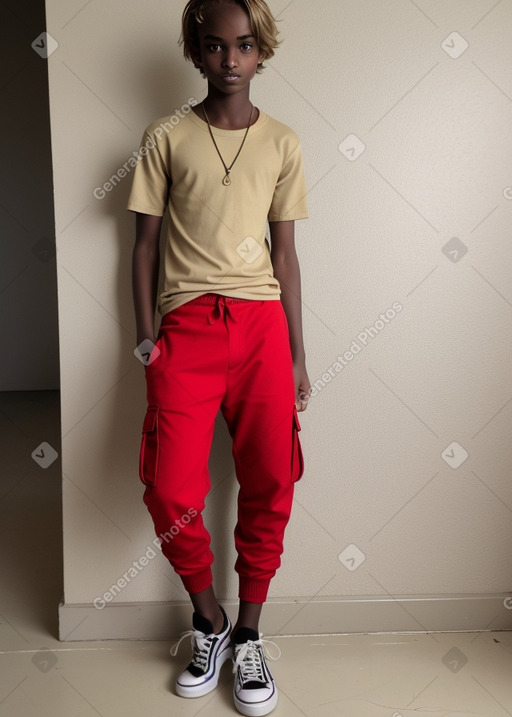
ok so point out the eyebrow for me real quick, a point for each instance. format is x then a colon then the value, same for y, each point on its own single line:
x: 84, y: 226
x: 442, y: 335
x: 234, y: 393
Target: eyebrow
x: 220, y: 39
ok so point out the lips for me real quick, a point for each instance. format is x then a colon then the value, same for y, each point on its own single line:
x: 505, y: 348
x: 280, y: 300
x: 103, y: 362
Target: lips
x: 230, y: 78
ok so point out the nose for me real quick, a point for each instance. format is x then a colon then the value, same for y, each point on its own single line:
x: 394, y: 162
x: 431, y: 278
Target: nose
x: 230, y: 58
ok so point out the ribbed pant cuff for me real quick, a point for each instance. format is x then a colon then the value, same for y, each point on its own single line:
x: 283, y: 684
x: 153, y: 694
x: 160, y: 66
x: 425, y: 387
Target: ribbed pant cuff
x: 198, y: 582
x: 253, y: 590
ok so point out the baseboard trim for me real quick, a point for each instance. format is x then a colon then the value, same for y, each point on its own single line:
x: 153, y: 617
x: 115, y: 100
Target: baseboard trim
x: 343, y: 615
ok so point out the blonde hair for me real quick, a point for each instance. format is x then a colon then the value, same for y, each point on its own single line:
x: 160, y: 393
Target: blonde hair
x: 263, y: 27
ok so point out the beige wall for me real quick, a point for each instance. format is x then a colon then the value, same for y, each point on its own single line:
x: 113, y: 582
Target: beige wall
x: 436, y: 166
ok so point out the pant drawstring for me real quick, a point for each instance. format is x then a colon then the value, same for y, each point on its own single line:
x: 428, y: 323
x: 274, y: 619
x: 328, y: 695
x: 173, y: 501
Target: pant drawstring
x: 220, y: 310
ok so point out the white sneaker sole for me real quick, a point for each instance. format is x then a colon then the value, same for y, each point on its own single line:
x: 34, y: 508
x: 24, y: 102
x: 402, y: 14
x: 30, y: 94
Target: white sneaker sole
x: 209, y: 685
x: 256, y: 709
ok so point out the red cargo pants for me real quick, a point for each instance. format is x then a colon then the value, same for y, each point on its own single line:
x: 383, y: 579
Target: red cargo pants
x: 233, y: 354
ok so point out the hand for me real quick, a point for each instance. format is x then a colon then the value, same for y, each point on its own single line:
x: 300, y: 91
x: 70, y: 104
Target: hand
x: 302, y: 385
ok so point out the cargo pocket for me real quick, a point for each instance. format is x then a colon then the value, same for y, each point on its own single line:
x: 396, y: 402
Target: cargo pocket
x: 148, y: 462
x: 297, y: 457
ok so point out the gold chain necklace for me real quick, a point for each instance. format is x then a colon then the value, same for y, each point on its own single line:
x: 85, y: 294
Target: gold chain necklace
x: 227, y: 179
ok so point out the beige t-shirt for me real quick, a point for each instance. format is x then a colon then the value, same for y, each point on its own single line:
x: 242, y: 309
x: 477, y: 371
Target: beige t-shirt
x: 216, y: 238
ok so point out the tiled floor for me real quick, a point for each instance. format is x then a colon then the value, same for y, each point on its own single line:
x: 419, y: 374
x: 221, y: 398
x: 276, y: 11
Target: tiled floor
x: 439, y: 674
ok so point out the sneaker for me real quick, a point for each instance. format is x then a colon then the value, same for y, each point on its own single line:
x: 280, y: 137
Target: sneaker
x: 209, y: 653
x: 254, y: 691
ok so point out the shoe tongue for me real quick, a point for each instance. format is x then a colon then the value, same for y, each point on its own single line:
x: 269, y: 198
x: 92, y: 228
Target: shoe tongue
x: 202, y: 624
x: 243, y: 634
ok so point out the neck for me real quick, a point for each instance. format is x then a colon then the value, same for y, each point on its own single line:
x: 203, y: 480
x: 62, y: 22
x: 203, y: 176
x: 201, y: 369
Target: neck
x: 229, y: 111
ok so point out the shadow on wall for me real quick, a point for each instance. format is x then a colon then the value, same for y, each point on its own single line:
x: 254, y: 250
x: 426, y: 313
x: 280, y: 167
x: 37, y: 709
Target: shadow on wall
x: 28, y: 283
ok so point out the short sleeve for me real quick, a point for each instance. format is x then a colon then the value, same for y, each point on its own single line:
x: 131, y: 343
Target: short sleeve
x: 290, y: 195
x: 151, y: 180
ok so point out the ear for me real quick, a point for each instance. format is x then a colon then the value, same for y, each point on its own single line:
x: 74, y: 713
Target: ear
x: 196, y: 59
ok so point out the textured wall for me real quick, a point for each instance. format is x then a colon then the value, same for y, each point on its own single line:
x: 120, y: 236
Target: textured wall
x: 404, y: 114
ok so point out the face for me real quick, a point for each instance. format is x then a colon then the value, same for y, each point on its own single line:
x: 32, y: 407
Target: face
x: 229, y: 53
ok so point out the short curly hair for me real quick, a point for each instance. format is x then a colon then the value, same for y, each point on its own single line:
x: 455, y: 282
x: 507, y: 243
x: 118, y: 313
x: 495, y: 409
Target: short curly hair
x: 263, y: 26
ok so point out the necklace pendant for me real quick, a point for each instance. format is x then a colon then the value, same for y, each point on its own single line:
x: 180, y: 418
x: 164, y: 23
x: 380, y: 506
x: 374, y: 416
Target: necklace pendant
x: 227, y: 180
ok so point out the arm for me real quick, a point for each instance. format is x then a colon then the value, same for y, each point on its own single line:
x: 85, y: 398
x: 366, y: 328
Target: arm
x: 145, y: 266
x: 287, y: 272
